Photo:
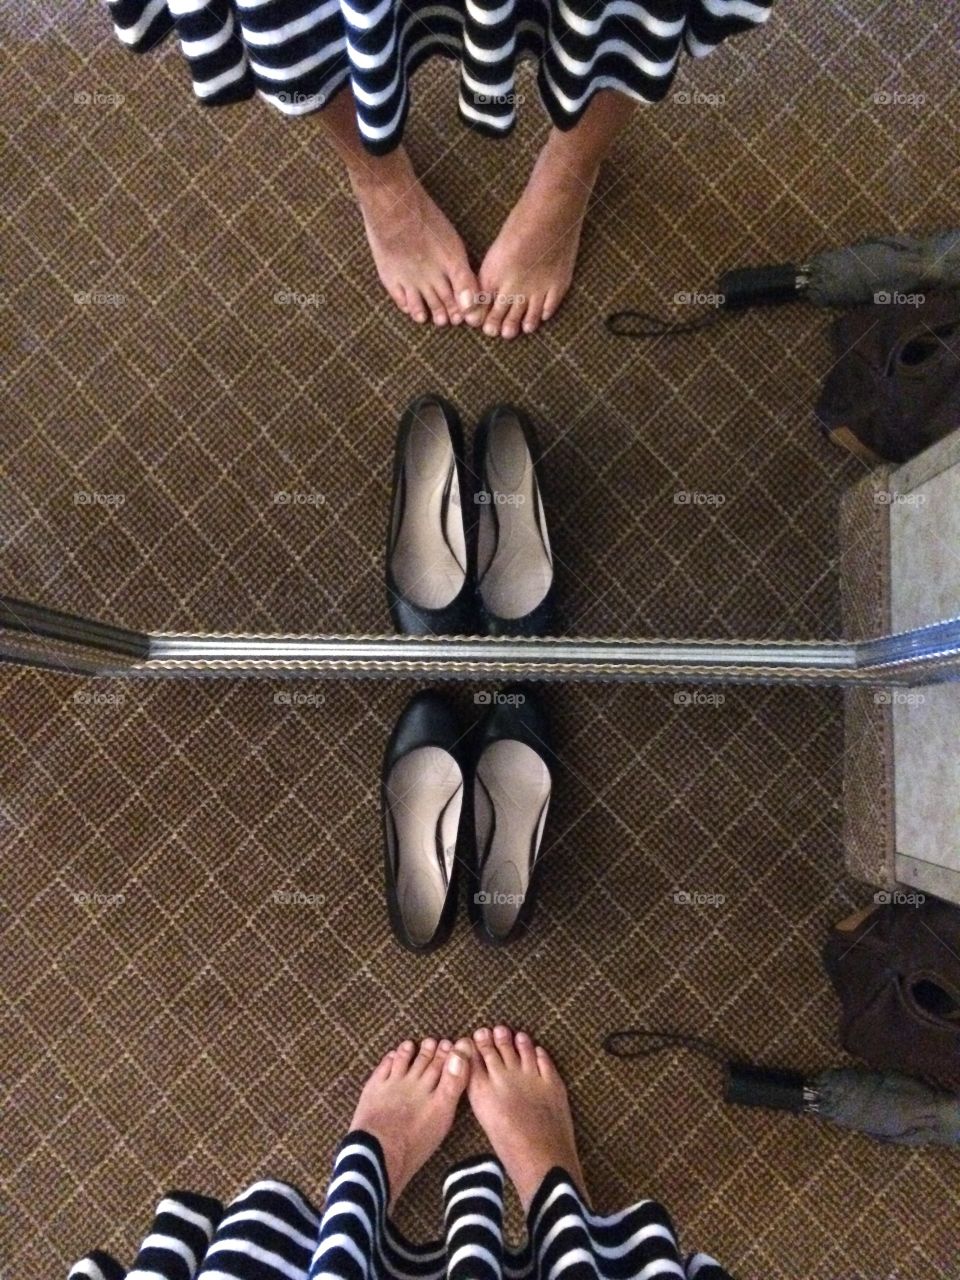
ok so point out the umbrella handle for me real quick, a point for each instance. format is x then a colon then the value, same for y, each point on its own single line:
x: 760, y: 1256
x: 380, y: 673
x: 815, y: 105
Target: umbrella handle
x: 748, y: 1085
x: 752, y: 286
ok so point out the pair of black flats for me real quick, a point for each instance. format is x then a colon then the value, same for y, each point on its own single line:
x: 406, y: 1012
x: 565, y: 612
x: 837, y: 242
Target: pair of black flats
x: 468, y: 557
x: 469, y: 805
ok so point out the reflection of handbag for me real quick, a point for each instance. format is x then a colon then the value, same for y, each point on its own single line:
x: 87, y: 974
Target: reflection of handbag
x: 896, y: 970
x: 894, y: 387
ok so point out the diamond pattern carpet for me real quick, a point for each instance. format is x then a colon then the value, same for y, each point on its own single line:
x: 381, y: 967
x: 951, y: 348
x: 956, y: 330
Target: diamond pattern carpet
x: 169, y: 1020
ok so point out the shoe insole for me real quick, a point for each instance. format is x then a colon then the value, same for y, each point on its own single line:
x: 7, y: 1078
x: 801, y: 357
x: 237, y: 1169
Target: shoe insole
x: 510, y: 808
x: 920, y: 348
x: 936, y: 1000
x: 515, y: 565
x: 429, y: 554
x: 424, y: 795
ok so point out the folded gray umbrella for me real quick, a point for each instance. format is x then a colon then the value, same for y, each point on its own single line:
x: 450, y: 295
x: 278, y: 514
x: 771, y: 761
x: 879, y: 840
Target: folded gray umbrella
x: 880, y: 270
x: 887, y: 1106
x: 891, y: 266
x: 881, y: 1104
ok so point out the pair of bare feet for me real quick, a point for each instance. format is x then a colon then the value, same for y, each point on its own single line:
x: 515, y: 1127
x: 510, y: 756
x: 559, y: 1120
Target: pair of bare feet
x: 513, y: 1088
x: 423, y: 264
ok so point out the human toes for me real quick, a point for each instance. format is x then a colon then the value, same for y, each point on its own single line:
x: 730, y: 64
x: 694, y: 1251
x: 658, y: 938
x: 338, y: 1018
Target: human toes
x: 451, y: 286
x: 416, y: 308
x: 402, y: 1058
x: 454, y: 1075
x: 442, y: 288
x: 534, y: 313
x: 399, y: 296
x: 500, y: 305
x: 438, y: 311
x: 545, y: 1065
x: 514, y: 318
x: 466, y: 1048
x: 526, y: 1051
x: 434, y: 1064
x: 473, y: 305
x: 503, y: 1039
x: 381, y: 1071
x: 425, y: 1056
x: 551, y: 302
x: 488, y: 1051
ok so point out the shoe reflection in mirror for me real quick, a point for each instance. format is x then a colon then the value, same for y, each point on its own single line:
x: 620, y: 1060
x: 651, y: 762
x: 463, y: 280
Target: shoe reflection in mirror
x: 422, y: 789
x: 512, y: 786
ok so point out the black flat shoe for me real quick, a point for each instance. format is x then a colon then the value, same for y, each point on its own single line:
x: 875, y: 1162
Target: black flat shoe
x: 511, y: 787
x: 429, y: 584
x: 422, y: 798
x: 515, y: 588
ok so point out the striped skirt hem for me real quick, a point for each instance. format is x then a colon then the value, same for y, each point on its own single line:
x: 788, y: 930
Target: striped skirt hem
x: 299, y: 54
x: 273, y: 1232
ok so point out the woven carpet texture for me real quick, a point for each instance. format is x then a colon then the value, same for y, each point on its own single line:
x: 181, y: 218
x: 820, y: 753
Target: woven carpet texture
x: 201, y: 383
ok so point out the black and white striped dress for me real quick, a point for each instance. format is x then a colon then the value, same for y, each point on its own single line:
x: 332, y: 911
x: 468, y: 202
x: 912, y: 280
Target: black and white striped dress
x: 297, y: 54
x: 271, y: 1232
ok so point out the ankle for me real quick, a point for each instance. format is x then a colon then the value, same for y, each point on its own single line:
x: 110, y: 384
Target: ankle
x: 528, y: 1184
x: 381, y: 175
x: 393, y: 1164
x: 566, y: 164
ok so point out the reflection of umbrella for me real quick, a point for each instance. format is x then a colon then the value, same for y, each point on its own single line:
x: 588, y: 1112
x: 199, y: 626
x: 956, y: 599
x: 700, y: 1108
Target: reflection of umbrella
x: 881, y: 1104
x: 871, y: 271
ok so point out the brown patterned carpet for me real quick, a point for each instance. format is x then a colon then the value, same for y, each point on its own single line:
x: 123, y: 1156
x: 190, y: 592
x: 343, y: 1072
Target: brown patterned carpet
x: 196, y: 1032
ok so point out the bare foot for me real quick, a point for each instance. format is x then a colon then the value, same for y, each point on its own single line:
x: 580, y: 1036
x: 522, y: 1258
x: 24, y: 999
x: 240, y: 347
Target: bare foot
x: 421, y: 261
x: 528, y: 268
x: 521, y: 1104
x: 409, y: 1102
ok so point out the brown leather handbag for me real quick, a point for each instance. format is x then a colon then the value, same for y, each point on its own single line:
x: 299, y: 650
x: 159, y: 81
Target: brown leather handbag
x: 896, y: 969
x: 894, y: 387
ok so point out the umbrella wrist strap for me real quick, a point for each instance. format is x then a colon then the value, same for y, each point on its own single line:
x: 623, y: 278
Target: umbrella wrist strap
x: 746, y: 1084
x: 737, y: 290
